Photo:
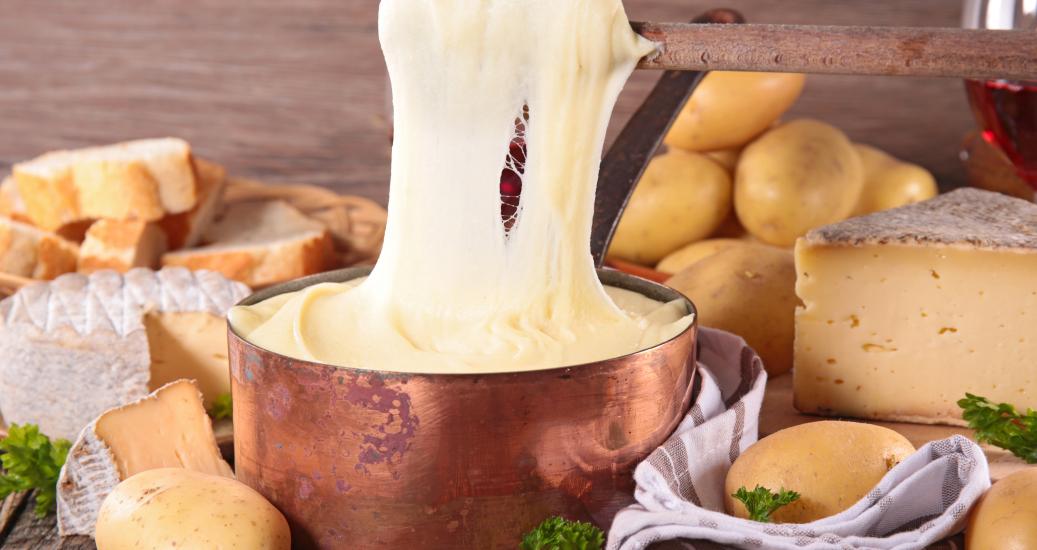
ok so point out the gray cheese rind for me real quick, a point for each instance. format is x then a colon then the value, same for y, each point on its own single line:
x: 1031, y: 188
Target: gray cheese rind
x: 965, y: 218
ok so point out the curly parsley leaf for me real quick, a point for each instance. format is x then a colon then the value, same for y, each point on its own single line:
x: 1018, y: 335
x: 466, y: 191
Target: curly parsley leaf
x: 32, y: 461
x: 221, y: 407
x: 561, y: 534
x: 761, y: 502
x: 1002, y: 425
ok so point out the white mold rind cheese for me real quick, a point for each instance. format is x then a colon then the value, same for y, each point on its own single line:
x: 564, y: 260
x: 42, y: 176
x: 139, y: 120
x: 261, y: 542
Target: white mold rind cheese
x: 77, y: 346
x: 168, y: 428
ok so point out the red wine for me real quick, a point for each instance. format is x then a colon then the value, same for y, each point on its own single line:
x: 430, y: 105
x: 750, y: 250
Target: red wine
x: 1008, y: 113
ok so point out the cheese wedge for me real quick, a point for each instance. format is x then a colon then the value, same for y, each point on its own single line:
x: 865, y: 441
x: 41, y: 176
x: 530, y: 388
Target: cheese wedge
x: 907, y: 310
x: 75, y: 347
x: 166, y: 429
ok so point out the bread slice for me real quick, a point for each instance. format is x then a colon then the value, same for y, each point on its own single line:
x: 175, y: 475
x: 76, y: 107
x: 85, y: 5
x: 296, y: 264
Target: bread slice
x: 144, y: 179
x: 27, y: 251
x: 185, y: 230
x: 260, y: 244
x: 11, y: 203
x: 121, y: 245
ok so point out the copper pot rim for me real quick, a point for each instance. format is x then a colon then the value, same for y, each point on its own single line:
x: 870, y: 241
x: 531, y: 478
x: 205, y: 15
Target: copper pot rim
x: 608, y: 277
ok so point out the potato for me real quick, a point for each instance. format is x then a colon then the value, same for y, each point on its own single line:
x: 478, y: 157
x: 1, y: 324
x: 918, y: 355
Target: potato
x: 689, y: 255
x: 731, y: 228
x: 1006, y: 517
x: 889, y: 182
x: 831, y: 464
x: 750, y: 290
x: 798, y: 176
x: 174, y: 507
x: 682, y: 197
x: 728, y: 158
x: 729, y: 109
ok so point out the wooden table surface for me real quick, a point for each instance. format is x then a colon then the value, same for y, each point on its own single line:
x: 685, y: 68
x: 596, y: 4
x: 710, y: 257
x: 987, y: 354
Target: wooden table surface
x: 296, y: 92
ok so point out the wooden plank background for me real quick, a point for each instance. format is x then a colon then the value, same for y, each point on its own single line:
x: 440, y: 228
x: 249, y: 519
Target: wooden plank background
x: 296, y: 91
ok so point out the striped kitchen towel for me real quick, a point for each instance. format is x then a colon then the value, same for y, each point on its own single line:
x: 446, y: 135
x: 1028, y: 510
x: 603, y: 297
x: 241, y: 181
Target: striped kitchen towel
x: 680, y: 487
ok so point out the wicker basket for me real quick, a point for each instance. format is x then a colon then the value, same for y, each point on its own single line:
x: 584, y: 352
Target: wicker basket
x: 356, y: 224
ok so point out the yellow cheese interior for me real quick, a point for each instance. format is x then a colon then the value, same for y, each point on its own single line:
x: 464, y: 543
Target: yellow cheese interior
x: 903, y: 332
x: 189, y: 345
x: 456, y: 289
x: 166, y: 430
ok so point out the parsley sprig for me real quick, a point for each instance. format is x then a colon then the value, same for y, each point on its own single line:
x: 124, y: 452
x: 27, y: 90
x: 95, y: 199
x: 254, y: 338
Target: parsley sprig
x: 1002, y: 425
x: 561, y: 534
x: 221, y: 407
x: 32, y: 461
x: 761, y: 502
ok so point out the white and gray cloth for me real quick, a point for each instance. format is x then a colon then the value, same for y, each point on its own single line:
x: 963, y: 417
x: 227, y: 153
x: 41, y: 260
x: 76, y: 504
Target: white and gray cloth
x: 680, y: 487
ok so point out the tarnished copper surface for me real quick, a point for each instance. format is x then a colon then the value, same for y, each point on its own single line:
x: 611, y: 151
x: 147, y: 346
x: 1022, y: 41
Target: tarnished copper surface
x: 362, y: 459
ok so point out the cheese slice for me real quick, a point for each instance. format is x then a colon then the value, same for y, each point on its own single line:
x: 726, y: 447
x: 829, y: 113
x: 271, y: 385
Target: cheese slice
x: 907, y: 310
x: 166, y: 429
x: 79, y: 345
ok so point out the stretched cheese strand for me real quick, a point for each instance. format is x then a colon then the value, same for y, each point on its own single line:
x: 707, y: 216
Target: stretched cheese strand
x: 454, y: 289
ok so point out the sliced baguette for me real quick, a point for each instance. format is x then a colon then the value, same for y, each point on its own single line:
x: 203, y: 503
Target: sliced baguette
x: 27, y: 251
x: 186, y: 229
x: 144, y: 179
x: 121, y: 245
x: 260, y: 244
x: 11, y: 203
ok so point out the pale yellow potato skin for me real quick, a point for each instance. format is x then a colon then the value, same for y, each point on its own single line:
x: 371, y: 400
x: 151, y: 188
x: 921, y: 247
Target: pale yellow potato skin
x: 890, y: 182
x: 831, y: 464
x: 1006, y: 517
x: 728, y: 158
x: 183, y: 509
x: 798, y: 176
x: 750, y: 290
x: 729, y: 109
x: 688, y: 255
x: 682, y: 197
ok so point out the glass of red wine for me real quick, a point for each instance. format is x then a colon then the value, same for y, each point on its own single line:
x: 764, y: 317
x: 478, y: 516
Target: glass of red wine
x: 1006, y: 110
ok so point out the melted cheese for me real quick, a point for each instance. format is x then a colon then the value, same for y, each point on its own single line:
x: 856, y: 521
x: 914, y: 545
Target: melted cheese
x: 455, y: 289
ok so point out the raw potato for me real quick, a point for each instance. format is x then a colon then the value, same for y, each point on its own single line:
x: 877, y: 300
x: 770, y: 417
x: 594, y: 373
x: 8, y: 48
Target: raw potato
x: 689, y: 255
x: 177, y: 508
x: 890, y: 183
x: 682, y: 198
x: 798, y: 176
x: 831, y: 464
x: 731, y: 228
x: 728, y: 158
x: 729, y: 109
x: 749, y: 290
x: 1006, y: 517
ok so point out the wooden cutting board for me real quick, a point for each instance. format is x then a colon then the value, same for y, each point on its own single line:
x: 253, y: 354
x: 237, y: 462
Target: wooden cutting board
x: 778, y: 413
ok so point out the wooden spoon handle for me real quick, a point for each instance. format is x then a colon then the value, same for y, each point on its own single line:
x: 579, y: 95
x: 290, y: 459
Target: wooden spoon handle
x: 906, y: 51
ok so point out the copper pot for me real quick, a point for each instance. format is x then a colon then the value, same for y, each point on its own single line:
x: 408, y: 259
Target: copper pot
x: 366, y: 459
